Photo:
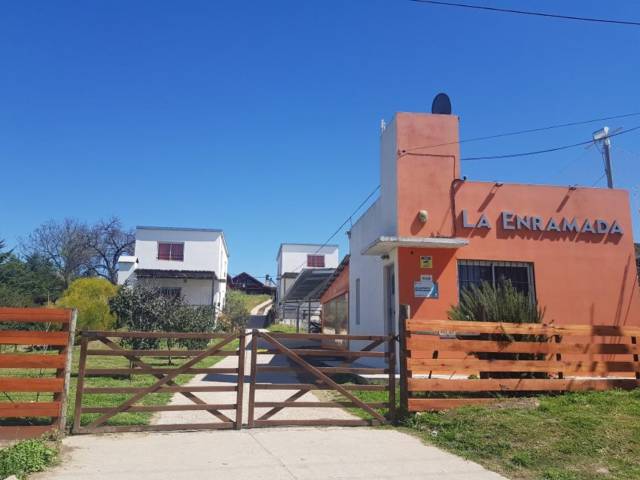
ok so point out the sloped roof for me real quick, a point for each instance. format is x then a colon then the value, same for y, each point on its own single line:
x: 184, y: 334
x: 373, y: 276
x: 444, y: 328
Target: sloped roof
x: 308, y: 285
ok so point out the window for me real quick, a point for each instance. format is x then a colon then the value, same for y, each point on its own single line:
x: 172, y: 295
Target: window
x: 315, y: 261
x: 474, y: 272
x: 335, y: 317
x: 357, y: 301
x: 170, y: 292
x: 171, y: 251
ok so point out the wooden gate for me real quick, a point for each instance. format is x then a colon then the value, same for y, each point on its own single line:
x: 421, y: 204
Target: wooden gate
x: 150, y: 358
x: 314, y: 366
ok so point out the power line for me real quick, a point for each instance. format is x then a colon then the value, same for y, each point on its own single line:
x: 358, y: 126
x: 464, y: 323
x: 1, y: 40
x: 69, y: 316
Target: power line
x: 373, y: 192
x: 546, y: 150
x: 598, y: 180
x: 530, y: 13
x: 522, y: 154
x: 529, y: 130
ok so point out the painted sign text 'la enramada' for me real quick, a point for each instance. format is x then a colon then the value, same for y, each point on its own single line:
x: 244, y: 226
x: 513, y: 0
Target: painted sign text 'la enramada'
x: 512, y: 221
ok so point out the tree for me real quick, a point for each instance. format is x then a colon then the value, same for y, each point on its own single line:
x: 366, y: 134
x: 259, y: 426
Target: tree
x: 25, y: 283
x: 91, y: 297
x: 107, y: 241
x: 64, y: 245
x: 235, y: 314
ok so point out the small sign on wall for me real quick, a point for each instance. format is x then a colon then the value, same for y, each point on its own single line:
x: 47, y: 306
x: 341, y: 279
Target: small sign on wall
x: 426, y: 261
x: 425, y: 287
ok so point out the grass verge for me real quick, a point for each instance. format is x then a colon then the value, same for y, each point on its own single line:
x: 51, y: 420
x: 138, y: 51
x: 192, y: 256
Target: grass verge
x: 282, y: 328
x: 574, y: 436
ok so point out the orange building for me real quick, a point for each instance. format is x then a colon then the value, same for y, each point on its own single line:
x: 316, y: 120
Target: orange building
x: 431, y: 232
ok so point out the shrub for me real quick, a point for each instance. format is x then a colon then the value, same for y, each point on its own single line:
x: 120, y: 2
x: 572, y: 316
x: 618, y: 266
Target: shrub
x: 235, y: 314
x: 143, y: 308
x: 91, y: 297
x: 502, y: 303
x: 26, y: 457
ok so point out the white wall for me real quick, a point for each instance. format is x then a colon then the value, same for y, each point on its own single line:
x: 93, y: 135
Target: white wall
x: 125, y: 269
x: 388, y: 215
x: 293, y: 257
x: 203, y: 250
x: 369, y: 269
x: 379, y: 220
x: 195, y: 291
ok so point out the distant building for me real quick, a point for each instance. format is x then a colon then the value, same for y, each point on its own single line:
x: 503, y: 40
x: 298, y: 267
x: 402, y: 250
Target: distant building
x: 251, y: 285
x: 187, y: 262
x: 304, y: 266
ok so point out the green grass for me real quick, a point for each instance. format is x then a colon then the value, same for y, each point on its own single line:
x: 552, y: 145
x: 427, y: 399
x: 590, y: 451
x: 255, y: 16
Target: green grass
x: 28, y: 456
x: 282, y: 328
x: 109, y: 400
x: 575, y: 436
x: 251, y: 301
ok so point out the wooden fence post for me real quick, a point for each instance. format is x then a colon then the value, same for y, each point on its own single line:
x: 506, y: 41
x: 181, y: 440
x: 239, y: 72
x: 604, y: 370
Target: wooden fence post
x: 65, y: 373
x: 634, y: 341
x: 255, y: 336
x: 405, y: 313
x: 391, y: 365
x: 82, y: 366
x: 240, y: 380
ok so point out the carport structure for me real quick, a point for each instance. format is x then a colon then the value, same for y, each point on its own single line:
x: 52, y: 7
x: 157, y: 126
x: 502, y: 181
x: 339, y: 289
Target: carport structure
x: 305, y: 293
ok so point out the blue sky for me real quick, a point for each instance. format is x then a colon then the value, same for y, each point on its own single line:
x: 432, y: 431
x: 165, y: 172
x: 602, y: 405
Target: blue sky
x: 262, y: 118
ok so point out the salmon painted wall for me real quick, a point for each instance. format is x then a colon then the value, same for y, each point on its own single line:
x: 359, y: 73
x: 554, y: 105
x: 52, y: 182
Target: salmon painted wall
x: 427, y: 163
x: 579, y: 277
x: 340, y: 286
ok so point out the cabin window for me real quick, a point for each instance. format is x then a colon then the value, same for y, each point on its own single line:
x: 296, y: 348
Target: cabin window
x: 474, y: 272
x: 170, y: 292
x: 171, y: 251
x: 315, y: 261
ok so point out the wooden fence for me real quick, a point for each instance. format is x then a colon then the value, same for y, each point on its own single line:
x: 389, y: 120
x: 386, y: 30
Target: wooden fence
x: 455, y: 363
x: 152, y: 365
x: 314, y: 368
x: 35, y: 367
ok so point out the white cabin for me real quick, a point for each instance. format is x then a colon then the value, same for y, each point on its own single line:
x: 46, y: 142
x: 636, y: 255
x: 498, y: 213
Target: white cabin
x: 187, y: 262
x: 292, y: 259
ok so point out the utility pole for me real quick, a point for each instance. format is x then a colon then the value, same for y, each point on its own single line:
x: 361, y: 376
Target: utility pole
x: 602, y: 137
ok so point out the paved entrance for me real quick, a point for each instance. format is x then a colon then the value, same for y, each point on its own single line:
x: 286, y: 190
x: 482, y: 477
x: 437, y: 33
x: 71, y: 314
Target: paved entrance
x: 270, y: 454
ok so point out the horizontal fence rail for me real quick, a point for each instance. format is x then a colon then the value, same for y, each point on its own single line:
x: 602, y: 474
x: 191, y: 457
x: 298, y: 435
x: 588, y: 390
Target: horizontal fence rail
x: 143, y: 363
x: 312, y: 362
x: 454, y: 363
x: 35, y: 366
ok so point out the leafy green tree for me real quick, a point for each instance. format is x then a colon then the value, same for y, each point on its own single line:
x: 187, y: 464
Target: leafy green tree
x: 91, y: 297
x: 27, y: 282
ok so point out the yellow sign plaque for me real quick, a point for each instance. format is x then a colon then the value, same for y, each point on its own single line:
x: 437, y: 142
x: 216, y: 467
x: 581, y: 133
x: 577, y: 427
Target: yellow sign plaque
x: 426, y: 261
